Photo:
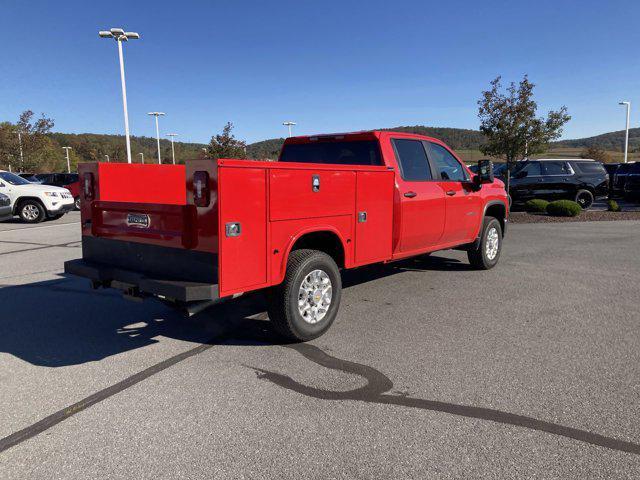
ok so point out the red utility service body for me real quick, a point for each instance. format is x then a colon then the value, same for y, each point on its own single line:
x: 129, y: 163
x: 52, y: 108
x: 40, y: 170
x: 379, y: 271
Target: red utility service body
x: 221, y: 228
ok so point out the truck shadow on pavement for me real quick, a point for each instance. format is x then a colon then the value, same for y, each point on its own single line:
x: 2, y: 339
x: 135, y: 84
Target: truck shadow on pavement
x: 62, y: 322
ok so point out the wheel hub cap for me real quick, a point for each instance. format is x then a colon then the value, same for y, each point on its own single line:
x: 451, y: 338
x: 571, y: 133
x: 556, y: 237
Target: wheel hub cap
x: 314, y: 296
x: 30, y: 212
x: 493, y: 243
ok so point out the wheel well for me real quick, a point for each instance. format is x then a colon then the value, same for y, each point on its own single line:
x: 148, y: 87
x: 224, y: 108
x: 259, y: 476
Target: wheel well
x: 21, y: 200
x: 327, y: 242
x: 497, y: 210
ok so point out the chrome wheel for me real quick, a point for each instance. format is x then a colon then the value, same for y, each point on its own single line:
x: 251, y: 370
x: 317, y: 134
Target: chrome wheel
x: 314, y: 296
x: 77, y: 203
x: 584, y: 200
x: 493, y: 243
x: 30, y: 212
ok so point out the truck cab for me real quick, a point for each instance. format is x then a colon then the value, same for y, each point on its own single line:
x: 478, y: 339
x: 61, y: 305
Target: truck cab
x: 215, y: 229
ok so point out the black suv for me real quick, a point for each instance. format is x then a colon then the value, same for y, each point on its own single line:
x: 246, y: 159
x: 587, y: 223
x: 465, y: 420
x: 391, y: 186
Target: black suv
x: 632, y: 182
x: 554, y: 179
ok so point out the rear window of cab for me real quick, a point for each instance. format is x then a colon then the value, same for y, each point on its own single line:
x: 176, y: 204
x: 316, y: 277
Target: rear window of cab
x: 357, y: 152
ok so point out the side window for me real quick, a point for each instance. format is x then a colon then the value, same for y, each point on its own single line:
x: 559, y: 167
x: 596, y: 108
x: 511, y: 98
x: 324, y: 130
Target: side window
x: 412, y: 159
x: 556, y: 168
x: 447, y: 166
x: 533, y: 169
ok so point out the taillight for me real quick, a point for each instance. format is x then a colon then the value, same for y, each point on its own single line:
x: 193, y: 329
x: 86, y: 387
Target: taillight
x: 201, y: 190
x: 88, y: 186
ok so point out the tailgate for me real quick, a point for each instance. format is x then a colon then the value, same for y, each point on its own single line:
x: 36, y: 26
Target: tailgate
x: 144, y: 220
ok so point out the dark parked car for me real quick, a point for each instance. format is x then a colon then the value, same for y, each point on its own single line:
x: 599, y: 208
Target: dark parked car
x: 619, y: 179
x: 6, y: 212
x: 554, y: 179
x: 632, y: 182
x: 67, y: 180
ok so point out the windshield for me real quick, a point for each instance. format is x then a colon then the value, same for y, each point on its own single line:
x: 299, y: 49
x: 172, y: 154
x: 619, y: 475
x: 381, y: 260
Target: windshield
x: 13, y: 179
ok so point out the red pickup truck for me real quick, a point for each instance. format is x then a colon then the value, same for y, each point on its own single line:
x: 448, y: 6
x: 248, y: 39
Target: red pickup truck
x: 197, y: 233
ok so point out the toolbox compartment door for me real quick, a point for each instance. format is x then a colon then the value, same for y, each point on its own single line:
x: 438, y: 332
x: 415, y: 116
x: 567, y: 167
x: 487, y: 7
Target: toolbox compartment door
x: 242, y: 203
x: 374, y: 216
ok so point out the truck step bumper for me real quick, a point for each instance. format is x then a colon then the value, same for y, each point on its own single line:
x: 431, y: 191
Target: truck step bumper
x: 135, y: 284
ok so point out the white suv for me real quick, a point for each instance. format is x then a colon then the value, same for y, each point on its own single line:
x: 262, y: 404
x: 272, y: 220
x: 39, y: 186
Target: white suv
x: 34, y: 202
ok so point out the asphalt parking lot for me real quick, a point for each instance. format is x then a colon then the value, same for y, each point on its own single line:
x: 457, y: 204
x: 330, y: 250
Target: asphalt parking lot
x: 432, y: 370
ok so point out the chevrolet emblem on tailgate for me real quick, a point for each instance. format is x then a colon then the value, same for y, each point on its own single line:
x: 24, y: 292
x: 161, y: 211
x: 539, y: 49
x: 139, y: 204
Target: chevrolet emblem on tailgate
x: 141, y: 220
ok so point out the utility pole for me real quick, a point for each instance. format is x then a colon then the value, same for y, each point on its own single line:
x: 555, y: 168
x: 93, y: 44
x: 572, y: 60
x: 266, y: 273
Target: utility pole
x: 20, y: 144
x: 141, y: 156
x: 626, y: 136
x: 173, y: 152
x: 66, y: 149
x: 156, y: 115
x: 121, y: 36
x: 289, y: 124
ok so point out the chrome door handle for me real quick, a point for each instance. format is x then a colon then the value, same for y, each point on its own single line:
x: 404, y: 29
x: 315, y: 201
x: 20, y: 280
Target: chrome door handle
x: 451, y: 193
x: 410, y: 194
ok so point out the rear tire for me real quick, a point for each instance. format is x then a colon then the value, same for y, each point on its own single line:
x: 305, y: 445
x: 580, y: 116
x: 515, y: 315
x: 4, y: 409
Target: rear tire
x: 584, y: 198
x: 305, y: 305
x: 487, y: 253
x: 31, y: 211
x: 76, y: 203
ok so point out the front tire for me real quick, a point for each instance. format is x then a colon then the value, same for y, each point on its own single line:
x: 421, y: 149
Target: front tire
x: 76, y: 203
x: 31, y: 211
x: 486, y: 255
x: 305, y: 305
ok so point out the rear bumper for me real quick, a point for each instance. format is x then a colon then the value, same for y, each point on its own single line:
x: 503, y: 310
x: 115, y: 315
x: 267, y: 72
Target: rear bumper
x: 136, y: 284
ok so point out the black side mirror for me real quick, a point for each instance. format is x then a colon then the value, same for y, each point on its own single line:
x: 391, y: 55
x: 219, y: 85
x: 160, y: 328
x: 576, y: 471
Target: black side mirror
x: 485, y: 172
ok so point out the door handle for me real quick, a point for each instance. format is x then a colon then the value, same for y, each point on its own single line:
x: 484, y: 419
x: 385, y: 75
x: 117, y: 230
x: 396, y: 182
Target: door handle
x: 410, y: 194
x: 451, y: 193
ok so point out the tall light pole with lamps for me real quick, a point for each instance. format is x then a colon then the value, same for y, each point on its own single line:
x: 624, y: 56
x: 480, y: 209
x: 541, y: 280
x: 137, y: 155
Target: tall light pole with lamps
x: 119, y: 35
x: 107, y: 158
x: 141, y: 156
x: 66, y: 149
x: 173, y: 152
x: 289, y: 124
x: 157, y: 114
x: 626, y: 136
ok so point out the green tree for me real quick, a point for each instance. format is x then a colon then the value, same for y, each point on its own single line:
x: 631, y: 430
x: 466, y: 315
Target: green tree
x: 226, y: 145
x: 596, y: 153
x: 510, y: 125
x: 38, y: 150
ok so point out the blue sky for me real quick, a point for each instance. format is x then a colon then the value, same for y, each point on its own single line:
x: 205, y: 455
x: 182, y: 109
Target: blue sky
x: 330, y: 65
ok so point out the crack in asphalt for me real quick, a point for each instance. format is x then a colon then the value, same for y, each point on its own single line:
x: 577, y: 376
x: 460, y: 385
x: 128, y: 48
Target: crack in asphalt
x: 40, y: 246
x: 378, y: 384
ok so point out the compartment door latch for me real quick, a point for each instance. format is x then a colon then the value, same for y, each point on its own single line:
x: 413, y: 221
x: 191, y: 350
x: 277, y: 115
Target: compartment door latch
x: 232, y: 229
x: 315, y: 183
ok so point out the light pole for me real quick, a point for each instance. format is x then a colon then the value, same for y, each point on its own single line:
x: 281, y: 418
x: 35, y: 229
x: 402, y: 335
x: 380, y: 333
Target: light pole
x: 141, y: 156
x: 173, y: 152
x: 20, y: 144
x: 289, y: 124
x: 626, y: 136
x: 66, y: 149
x: 157, y: 114
x: 107, y: 158
x: 121, y: 36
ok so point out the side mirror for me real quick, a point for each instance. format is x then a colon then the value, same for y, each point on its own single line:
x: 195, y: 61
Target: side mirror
x: 485, y: 172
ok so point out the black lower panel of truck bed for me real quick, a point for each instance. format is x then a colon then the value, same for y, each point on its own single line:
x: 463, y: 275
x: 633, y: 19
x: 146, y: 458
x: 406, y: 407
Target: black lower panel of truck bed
x: 152, y: 260
x: 174, y: 273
